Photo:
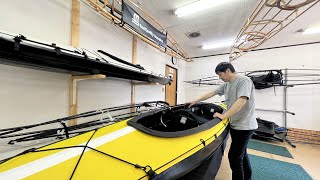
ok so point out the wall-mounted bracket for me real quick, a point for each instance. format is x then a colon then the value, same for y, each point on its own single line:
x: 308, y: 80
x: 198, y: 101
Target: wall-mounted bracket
x: 73, y: 93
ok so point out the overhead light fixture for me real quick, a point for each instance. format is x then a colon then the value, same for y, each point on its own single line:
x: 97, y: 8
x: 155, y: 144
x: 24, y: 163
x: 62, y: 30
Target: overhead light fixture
x: 217, y: 45
x: 198, y: 6
x: 312, y: 30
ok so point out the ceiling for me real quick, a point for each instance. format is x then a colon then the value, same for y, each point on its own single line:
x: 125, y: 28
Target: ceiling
x: 223, y: 23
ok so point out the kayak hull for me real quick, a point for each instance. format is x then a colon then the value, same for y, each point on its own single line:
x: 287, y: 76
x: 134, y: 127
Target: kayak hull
x: 117, y: 151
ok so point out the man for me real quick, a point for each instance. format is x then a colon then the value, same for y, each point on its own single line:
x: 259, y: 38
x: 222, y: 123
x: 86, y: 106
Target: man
x: 239, y: 97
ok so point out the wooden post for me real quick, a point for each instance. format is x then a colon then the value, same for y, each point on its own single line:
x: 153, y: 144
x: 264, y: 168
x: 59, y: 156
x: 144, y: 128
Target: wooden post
x: 134, y: 50
x: 73, y: 85
x: 75, y: 23
x: 134, y: 61
x: 72, y: 105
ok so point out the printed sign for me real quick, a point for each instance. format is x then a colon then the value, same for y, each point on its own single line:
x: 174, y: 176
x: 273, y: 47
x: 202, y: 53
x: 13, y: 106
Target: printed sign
x: 131, y: 17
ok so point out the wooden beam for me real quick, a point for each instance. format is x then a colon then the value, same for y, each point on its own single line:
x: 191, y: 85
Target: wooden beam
x: 143, y: 83
x: 73, y: 93
x: 134, y: 61
x: 75, y: 23
x: 95, y: 76
x: 73, y: 85
x: 134, y: 50
x: 72, y: 105
x: 180, y: 54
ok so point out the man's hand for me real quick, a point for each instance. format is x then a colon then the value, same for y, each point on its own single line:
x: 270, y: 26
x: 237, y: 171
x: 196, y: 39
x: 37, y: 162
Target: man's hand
x: 240, y: 102
x: 202, y: 98
x: 192, y: 103
x: 219, y: 115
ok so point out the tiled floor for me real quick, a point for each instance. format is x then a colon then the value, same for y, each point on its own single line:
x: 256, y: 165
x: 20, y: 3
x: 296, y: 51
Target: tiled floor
x: 306, y: 155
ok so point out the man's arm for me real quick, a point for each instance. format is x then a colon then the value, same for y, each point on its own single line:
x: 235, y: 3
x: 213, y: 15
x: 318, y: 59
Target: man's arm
x: 240, y: 102
x: 202, y: 98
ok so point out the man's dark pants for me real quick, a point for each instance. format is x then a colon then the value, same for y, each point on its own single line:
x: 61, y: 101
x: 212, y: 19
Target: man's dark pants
x: 238, y: 157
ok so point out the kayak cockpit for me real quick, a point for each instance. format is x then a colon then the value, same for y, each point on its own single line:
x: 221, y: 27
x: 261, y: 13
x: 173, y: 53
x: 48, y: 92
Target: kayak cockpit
x: 177, y: 121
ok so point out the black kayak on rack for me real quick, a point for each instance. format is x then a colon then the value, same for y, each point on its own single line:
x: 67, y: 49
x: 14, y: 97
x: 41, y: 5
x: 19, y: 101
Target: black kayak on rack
x: 19, y: 51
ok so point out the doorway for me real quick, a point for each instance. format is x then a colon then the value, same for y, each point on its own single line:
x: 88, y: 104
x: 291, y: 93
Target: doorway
x: 171, y: 90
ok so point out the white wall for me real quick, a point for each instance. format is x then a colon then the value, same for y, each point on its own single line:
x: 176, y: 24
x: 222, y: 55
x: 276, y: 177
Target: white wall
x: 302, y: 100
x: 181, y: 93
x: 201, y: 68
x: 155, y: 61
x: 39, y: 20
x: 30, y: 96
x: 97, y: 33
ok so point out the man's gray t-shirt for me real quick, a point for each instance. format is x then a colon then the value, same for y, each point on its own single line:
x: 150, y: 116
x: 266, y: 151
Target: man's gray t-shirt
x: 242, y: 86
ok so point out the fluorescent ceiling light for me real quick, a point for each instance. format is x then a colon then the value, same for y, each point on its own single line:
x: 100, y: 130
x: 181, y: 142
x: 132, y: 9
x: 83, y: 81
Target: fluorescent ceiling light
x: 198, y: 6
x: 312, y: 30
x: 218, y: 45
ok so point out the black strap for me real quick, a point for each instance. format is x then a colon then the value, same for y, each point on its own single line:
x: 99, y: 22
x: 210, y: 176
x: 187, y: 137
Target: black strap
x: 120, y: 60
x: 151, y: 173
x: 17, y: 41
x: 24, y: 152
x: 56, y: 48
x: 75, y: 168
x: 65, y: 129
x: 85, y: 55
x: 203, y: 142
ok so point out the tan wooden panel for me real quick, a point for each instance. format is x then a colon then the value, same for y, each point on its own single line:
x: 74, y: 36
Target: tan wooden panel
x: 171, y: 90
x: 75, y: 23
x: 134, y: 61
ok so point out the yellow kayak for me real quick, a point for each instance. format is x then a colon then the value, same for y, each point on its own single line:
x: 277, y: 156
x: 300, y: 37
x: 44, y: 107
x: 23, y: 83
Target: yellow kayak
x: 161, y: 144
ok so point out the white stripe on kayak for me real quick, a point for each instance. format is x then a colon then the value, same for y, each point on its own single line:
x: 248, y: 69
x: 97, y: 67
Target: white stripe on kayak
x: 54, y: 159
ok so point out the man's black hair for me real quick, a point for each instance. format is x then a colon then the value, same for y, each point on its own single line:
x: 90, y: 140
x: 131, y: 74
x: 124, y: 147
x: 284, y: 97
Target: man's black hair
x: 223, y: 66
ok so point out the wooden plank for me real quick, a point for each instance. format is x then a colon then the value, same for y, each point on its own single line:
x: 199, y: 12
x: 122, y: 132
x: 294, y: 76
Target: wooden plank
x: 134, y: 61
x: 105, y: 3
x: 72, y: 105
x: 134, y: 49
x: 75, y: 23
x: 95, y: 76
x: 133, y: 92
x: 143, y: 83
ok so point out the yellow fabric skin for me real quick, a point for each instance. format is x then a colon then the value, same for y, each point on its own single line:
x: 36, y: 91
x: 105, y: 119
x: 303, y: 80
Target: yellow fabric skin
x: 135, y: 147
